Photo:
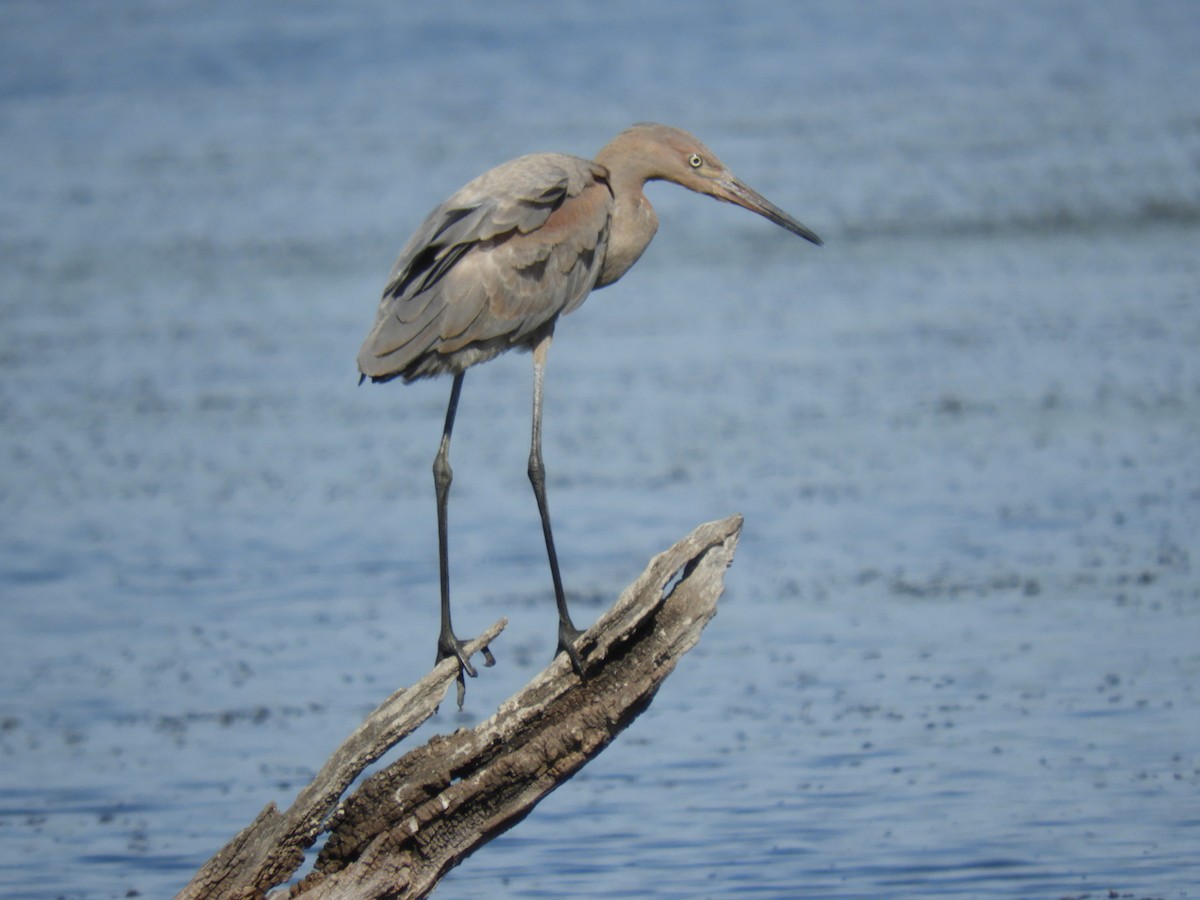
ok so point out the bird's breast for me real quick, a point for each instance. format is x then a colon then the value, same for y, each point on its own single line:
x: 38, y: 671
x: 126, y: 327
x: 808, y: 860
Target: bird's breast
x: 634, y: 223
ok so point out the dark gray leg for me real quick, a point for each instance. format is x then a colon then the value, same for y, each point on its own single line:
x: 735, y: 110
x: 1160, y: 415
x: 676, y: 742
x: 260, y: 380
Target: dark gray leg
x: 448, y: 644
x: 567, y: 632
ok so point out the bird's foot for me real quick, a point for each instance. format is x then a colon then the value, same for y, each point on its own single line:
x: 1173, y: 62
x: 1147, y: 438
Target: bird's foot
x: 450, y: 646
x: 568, y: 634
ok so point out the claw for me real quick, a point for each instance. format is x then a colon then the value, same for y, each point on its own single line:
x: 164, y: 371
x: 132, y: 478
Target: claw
x: 567, y: 635
x: 450, y: 646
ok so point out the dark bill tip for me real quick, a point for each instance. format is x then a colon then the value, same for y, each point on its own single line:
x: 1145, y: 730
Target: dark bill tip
x: 733, y: 191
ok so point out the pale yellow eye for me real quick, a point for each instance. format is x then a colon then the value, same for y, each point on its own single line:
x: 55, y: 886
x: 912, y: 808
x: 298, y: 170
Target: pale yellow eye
x: 695, y: 161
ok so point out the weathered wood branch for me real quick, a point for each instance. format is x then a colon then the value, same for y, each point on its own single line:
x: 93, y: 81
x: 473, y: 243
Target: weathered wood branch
x: 410, y: 823
x: 267, y: 851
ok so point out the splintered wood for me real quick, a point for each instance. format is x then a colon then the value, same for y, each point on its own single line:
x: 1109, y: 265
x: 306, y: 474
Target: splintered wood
x: 410, y: 823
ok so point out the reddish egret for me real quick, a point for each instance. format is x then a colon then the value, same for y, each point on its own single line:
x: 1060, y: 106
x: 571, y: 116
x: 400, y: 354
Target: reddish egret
x: 493, y: 268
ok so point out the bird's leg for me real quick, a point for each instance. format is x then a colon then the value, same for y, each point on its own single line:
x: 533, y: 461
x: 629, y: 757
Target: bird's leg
x: 448, y: 644
x: 567, y: 632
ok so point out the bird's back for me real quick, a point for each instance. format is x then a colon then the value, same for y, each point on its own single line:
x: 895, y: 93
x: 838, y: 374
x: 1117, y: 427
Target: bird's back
x: 492, y: 268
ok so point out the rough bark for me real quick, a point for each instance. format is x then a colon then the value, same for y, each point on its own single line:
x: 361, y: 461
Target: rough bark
x: 410, y: 823
x: 271, y: 848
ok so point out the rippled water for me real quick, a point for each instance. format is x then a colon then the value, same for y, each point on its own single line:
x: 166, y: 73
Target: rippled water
x: 958, y: 655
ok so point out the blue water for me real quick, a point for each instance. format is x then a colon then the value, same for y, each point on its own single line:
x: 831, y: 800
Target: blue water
x: 959, y: 654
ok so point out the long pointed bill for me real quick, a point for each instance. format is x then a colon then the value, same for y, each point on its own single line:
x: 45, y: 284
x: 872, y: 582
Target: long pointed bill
x: 731, y: 190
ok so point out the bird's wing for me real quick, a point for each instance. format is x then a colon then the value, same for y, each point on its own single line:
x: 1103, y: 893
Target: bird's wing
x: 503, y: 256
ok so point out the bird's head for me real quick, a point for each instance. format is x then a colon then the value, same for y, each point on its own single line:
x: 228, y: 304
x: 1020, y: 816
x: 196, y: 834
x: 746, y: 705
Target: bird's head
x: 671, y: 154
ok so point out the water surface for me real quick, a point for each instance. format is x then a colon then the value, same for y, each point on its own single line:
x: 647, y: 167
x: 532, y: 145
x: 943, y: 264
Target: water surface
x: 958, y: 651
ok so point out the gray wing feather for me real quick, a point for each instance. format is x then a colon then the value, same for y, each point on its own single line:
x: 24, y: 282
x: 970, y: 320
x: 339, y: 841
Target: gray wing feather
x: 502, y: 257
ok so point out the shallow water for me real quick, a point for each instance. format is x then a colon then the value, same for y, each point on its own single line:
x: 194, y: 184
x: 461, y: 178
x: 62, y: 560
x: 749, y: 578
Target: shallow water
x: 958, y: 651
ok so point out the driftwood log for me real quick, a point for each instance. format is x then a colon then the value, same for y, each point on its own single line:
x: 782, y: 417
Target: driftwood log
x: 407, y: 825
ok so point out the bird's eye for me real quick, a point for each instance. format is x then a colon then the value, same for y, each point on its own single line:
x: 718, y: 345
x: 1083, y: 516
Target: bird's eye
x: 695, y: 161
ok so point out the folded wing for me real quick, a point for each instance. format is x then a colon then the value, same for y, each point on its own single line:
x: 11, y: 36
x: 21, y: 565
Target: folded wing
x: 492, y: 267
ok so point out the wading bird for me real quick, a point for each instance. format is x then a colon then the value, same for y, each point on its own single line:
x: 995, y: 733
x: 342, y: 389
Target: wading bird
x: 493, y: 268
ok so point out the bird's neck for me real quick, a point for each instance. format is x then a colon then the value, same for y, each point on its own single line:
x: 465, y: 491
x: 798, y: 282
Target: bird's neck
x: 633, y: 224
